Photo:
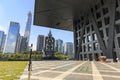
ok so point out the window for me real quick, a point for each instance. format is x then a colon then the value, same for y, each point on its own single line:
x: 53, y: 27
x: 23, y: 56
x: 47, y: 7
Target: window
x: 101, y: 33
x: 88, y: 38
x: 79, y: 33
x: 92, y: 10
x: 95, y: 45
x: 105, y: 11
x: 79, y: 27
x: 94, y: 36
x: 107, y: 32
x: 88, y: 29
x: 98, y: 15
x: 84, y: 48
x: 117, y: 3
x: 87, y: 22
x: 97, y: 6
x: 82, y: 17
x: 83, y: 39
x: 102, y: 2
x: 118, y: 41
x: 89, y: 47
x: 99, y: 24
x: 92, y: 27
x: 117, y: 15
x: 107, y: 20
x: 117, y: 29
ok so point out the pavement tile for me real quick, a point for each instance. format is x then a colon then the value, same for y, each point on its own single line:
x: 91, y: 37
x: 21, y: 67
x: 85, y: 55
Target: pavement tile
x: 78, y: 77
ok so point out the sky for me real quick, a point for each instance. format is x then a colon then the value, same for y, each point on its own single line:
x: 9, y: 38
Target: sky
x: 17, y: 10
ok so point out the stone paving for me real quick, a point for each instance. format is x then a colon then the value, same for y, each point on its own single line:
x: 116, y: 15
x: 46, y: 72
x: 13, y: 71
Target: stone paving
x: 72, y: 70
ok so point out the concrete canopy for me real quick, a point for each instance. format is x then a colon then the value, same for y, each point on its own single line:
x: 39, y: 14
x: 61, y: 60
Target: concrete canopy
x: 60, y: 14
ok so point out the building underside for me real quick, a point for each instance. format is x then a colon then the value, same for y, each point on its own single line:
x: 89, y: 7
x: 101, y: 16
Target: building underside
x: 95, y: 23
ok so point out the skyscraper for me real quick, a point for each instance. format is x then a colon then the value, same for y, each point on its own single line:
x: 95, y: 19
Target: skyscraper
x: 19, y: 43
x: 58, y: 45
x: 28, y: 28
x: 3, y: 43
x: 68, y: 49
x: 25, y: 40
x: 40, y: 42
x: 1, y: 39
x: 12, y: 38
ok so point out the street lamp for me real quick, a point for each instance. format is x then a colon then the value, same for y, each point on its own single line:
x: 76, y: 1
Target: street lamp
x: 30, y: 63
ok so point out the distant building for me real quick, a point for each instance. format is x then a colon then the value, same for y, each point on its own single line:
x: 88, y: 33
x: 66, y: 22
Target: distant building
x: 3, y: 43
x: 12, y: 38
x: 19, y: 43
x: 23, y: 45
x: 25, y: 39
x: 1, y: 40
x: 40, y: 42
x: 58, y: 45
x: 68, y: 49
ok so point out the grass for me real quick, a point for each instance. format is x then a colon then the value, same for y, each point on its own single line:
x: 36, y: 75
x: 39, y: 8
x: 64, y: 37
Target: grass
x: 11, y: 70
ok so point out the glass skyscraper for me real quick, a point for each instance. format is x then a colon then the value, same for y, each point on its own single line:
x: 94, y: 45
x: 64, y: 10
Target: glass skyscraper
x: 40, y: 42
x: 28, y: 28
x: 25, y: 40
x: 12, y: 38
x: 68, y: 49
x: 59, y: 45
x: 1, y: 39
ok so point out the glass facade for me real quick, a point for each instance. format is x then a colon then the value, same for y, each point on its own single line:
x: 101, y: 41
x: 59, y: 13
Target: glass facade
x: 12, y: 38
x: 28, y: 27
x: 1, y: 39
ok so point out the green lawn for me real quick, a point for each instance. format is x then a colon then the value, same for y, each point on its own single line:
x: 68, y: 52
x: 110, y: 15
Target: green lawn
x: 11, y: 70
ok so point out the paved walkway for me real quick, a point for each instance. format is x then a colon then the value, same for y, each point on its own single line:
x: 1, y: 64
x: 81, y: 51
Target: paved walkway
x: 73, y: 70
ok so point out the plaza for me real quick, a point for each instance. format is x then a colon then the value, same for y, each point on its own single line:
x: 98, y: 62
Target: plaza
x: 72, y: 70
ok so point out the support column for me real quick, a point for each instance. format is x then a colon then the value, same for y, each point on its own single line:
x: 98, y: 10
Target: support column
x: 112, y: 9
x: 100, y: 40
x: 81, y: 36
x: 75, y: 46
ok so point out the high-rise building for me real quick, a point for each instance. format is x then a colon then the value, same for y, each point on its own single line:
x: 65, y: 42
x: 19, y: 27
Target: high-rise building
x: 25, y: 42
x: 1, y: 40
x: 12, y: 38
x: 3, y: 43
x: 68, y: 49
x: 23, y: 45
x: 40, y: 42
x: 19, y: 43
x: 58, y: 45
x: 28, y: 28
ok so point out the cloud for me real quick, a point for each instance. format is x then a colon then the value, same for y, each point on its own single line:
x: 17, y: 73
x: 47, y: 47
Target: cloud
x: 11, y: 36
x: 3, y: 29
x: 13, y: 44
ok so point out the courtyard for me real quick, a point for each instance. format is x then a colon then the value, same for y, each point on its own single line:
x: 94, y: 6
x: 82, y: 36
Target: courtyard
x: 73, y: 70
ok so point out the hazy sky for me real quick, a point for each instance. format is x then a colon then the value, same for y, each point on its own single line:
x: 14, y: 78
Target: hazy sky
x: 17, y: 10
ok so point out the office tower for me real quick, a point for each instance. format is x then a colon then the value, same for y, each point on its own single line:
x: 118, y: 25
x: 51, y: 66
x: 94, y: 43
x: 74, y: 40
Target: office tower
x: 25, y: 40
x: 19, y: 43
x: 3, y: 43
x: 28, y: 28
x: 58, y: 45
x: 23, y: 45
x: 68, y: 49
x: 12, y: 38
x: 1, y: 40
x: 40, y: 42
